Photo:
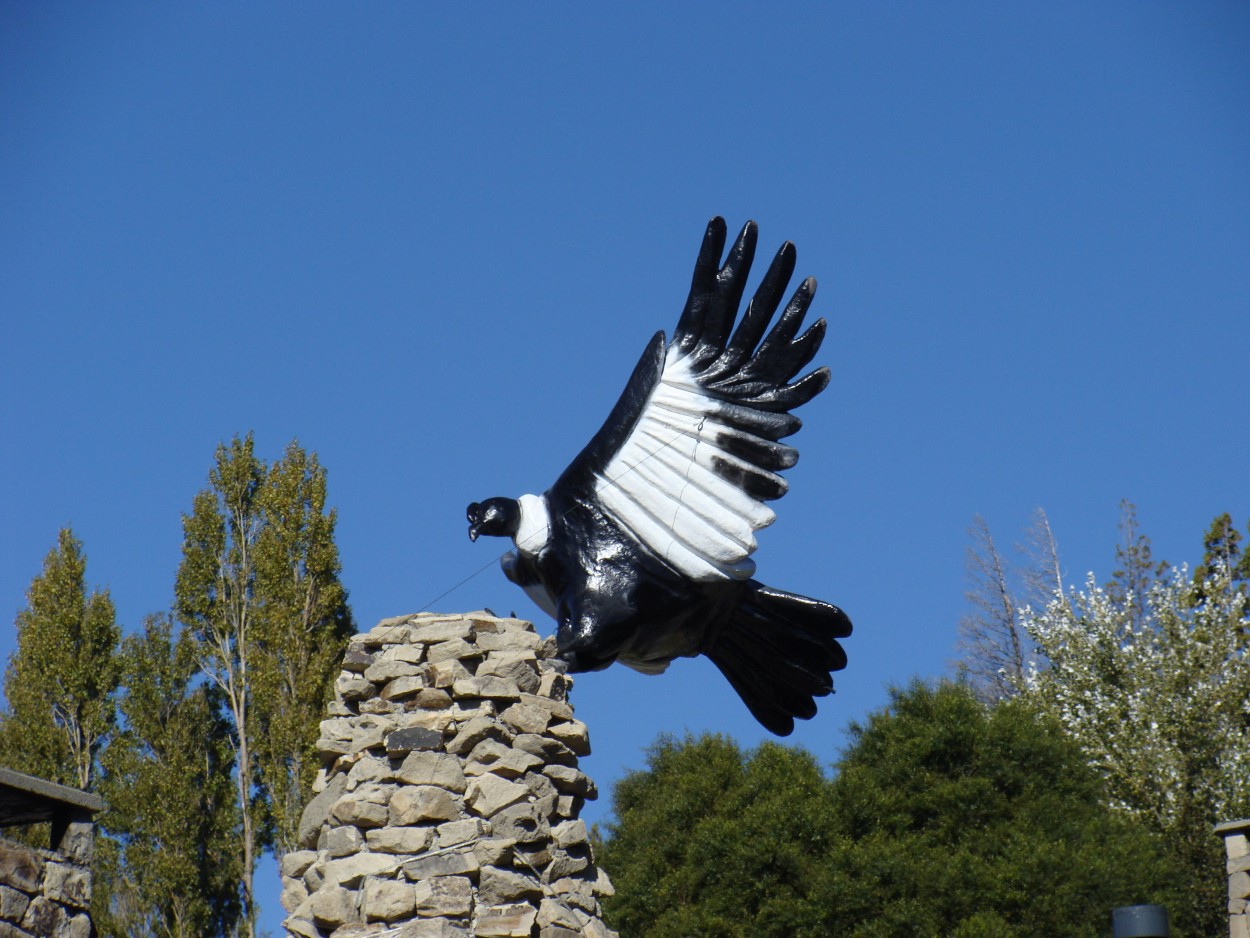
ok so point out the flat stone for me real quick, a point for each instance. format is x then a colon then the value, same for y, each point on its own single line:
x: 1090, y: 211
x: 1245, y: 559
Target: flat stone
x: 1239, y: 886
x: 526, y: 718
x: 429, y: 928
x: 350, y: 871
x: 570, y: 781
x: 414, y: 804
x: 333, y: 906
x: 13, y: 904
x: 456, y: 649
x: 387, y: 669
x: 570, y: 834
x: 301, y: 927
x: 569, y: 806
x: 354, y: 688
x: 432, y: 768
x: 504, y: 762
x: 499, y: 886
x: 554, y: 686
x: 489, y: 794
x: 557, y: 708
x: 430, y: 719
x: 493, y: 688
x: 474, y: 731
x: 515, y: 920
x: 507, y: 639
x: 402, y: 742
x: 377, y: 705
x: 357, y: 811
x: 356, y: 659
x: 552, y: 913
x: 369, y: 769
x: 403, y: 840
x: 402, y: 687
x: 315, y: 813
x: 294, y: 894
x: 574, y: 734
x: 494, y: 851
x: 341, y: 841
x: 455, y: 862
x: 454, y: 833
x: 521, y: 823
x: 413, y: 653
x: 433, y: 698
x: 444, y: 895
x: 547, y: 749
x: 387, y: 900
x: 431, y: 631
x: 294, y: 863
x: 566, y: 863
x: 69, y: 885
x: 44, y: 917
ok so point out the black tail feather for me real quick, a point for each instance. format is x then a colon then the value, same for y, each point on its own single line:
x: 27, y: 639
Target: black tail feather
x: 777, y: 651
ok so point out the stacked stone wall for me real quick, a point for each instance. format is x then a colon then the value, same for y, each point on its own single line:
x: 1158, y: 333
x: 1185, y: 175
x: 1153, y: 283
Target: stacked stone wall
x: 46, y: 893
x: 449, y: 801
x: 1236, y: 836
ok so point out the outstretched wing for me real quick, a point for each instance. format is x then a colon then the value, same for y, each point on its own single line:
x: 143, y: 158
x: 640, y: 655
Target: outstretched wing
x: 690, y: 453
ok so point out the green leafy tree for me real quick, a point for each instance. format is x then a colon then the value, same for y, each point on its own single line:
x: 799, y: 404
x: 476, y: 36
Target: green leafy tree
x: 62, y: 677
x: 1151, y: 676
x: 967, y: 820
x: 301, y: 631
x: 258, y: 588
x: 947, y: 817
x: 214, y: 598
x: 172, y: 812
x: 709, y: 840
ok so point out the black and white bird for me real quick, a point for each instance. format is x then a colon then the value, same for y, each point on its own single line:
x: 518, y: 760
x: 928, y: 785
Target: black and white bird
x: 641, y: 550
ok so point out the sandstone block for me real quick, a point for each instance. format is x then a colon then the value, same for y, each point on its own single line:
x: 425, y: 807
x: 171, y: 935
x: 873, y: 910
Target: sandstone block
x: 493, y: 688
x: 552, y: 913
x: 293, y: 864
x: 1239, y: 886
x: 487, y: 795
x: 388, y: 669
x: 473, y: 732
x: 433, y: 768
x: 44, y: 917
x: 453, y: 649
x: 526, y: 718
x: 13, y: 904
x: 557, y: 708
x: 405, y: 840
x: 574, y: 734
x: 351, y: 871
x: 351, y: 809
x: 455, y: 862
x: 354, y: 688
x: 294, y: 894
x: 318, y: 810
x: 570, y: 833
x: 570, y: 781
x: 432, y: 698
x: 521, y: 823
x: 301, y: 927
x: 333, y: 906
x: 499, y: 886
x: 506, y: 921
x: 356, y: 659
x: 69, y: 885
x: 20, y: 866
x: 340, y: 841
x: 444, y: 895
x: 387, y: 900
x: 459, y: 832
x: 430, y: 928
x: 403, y: 687
x: 545, y: 748
x: 442, y: 630
x: 415, y: 804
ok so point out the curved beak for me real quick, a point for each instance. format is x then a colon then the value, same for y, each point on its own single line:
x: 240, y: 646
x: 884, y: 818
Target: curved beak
x: 473, y: 532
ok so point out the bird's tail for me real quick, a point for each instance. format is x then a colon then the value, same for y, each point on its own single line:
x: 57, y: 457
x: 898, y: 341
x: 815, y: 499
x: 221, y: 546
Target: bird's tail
x: 778, y: 650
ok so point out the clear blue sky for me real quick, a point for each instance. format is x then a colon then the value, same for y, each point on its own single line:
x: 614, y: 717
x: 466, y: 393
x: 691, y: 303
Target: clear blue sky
x: 431, y: 240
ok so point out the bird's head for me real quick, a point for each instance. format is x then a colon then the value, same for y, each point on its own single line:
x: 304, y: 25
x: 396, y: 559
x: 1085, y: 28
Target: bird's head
x: 498, y: 517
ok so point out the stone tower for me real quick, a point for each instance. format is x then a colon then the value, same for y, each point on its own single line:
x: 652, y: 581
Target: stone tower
x: 449, y: 801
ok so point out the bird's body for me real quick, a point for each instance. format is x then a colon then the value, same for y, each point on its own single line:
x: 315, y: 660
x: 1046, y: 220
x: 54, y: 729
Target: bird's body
x: 641, y: 549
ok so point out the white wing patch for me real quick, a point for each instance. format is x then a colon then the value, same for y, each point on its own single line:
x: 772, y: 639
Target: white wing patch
x: 663, y: 488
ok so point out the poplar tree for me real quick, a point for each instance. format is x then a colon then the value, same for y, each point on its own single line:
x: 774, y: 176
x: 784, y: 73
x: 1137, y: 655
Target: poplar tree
x: 302, y: 628
x: 258, y: 588
x: 61, y: 678
x: 171, y: 801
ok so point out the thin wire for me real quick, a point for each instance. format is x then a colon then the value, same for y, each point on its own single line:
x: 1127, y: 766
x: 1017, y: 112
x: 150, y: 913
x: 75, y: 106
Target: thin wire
x: 613, y: 481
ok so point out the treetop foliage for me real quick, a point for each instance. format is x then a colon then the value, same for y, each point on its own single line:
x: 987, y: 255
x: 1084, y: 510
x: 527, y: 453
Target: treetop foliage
x: 945, y: 817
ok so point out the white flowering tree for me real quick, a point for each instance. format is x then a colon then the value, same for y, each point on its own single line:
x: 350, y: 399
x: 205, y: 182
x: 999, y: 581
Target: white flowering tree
x: 1152, y: 677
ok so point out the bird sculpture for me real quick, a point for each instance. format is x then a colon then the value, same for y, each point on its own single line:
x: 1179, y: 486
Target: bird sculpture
x: 641, y: 550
